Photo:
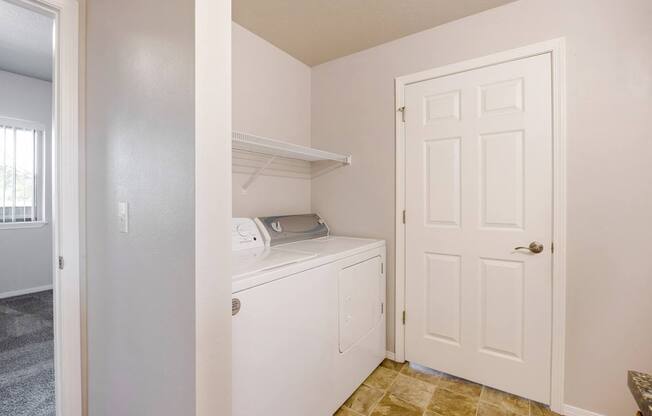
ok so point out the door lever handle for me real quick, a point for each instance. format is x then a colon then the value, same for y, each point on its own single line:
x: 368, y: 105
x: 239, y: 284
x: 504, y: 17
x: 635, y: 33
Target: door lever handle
x: 535, y: 247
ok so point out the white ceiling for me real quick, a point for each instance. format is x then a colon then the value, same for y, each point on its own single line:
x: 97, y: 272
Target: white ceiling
x: 316, y: 31
x: 26, y: 43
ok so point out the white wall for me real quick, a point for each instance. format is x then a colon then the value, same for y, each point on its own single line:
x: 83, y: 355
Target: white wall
x: 609, y: 69
x: 140, y: 148
x: 271, y: 98
x: 26, y: 253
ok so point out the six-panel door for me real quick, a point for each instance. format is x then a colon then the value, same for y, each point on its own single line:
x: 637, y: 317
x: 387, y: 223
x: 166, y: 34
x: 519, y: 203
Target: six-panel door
x: 479, y: 184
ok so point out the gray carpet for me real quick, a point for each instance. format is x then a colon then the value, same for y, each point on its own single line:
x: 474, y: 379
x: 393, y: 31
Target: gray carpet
x: 27, y: 355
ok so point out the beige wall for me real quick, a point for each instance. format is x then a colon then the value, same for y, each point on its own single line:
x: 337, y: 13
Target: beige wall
x: 609, y: 75
x: 271, y: 98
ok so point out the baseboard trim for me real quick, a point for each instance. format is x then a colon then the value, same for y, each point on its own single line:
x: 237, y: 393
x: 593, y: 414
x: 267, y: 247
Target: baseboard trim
x: 24, y: 291
x: 390, y: 355
x: 576, y: 411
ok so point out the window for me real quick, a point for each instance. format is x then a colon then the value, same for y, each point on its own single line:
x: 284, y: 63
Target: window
x: 21, y: 167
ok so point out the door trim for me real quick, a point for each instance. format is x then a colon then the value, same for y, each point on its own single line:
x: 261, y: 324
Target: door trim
x: 68, y: 226
x: 556, y: 49
x: 212, y: 208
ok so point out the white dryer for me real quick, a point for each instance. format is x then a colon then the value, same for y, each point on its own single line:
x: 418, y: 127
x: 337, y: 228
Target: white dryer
x: 308, y: 315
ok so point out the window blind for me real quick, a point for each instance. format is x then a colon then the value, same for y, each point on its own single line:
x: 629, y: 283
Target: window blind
x: 19, y: 162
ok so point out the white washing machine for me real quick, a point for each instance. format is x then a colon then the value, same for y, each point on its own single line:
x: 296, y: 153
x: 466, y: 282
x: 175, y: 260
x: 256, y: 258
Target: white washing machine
x: 308, y: 315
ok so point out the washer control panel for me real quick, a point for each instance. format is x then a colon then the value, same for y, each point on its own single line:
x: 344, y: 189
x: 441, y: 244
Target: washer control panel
x: 290, y: 228
x: 245, y: 234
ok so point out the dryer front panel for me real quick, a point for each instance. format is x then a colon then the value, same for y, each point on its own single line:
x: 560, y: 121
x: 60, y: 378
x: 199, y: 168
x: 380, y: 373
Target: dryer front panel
x: 360, y: 301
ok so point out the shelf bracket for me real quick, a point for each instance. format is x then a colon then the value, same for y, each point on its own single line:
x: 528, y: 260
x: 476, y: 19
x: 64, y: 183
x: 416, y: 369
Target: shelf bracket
x: 257, y: 173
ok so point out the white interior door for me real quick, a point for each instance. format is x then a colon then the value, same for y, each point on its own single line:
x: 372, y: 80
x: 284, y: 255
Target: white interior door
x: 478, y: 184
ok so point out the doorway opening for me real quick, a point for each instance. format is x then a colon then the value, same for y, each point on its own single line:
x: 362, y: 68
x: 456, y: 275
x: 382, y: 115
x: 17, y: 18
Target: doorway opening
x: 26, y: 221
x: 40, y: 300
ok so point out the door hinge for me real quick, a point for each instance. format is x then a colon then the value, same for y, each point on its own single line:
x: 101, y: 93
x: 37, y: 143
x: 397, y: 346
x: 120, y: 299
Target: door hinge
x: 402, y: 110
x: 552, y: 247
x: 382, y: 308
x: 404, y: 215
x: 403, y: 317
x: 382, y: 268
x: 60, y: 262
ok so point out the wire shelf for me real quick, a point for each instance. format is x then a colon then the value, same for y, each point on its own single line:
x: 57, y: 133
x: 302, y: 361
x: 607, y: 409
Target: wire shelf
x: 257, y: 144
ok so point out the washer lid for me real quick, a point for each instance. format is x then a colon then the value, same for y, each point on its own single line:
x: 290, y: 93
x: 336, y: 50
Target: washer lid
x: 246, y: 262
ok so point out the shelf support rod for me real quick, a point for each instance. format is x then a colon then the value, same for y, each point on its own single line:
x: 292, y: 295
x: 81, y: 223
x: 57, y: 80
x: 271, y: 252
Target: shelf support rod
x: 257, y: 173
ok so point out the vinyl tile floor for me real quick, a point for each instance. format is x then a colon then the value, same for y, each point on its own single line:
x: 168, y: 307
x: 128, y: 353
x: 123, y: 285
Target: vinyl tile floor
x: 396, y: 389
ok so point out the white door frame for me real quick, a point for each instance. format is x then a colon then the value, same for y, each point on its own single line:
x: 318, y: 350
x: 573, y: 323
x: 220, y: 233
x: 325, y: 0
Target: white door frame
x: 212, y: 207
x: 556, y: 49
x: 67, y: 210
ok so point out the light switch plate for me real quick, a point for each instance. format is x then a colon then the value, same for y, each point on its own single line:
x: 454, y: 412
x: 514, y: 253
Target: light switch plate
x: 123, y: 216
